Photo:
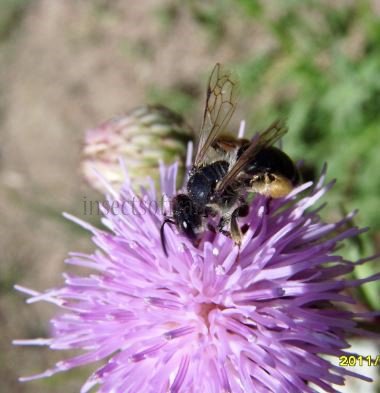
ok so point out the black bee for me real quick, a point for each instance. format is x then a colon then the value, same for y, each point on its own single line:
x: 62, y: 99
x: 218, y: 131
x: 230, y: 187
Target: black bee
x: 225, y: 168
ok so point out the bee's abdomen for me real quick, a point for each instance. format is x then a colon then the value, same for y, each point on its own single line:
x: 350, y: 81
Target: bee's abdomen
x: 273, y: 160
x: 202, y: 181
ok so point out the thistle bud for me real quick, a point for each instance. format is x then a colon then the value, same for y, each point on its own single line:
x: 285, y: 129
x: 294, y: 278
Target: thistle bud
x: 142, y: 137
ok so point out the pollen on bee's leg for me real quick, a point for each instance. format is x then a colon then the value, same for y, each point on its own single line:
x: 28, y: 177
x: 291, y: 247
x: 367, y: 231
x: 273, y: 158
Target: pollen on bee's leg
x: 236, y: 233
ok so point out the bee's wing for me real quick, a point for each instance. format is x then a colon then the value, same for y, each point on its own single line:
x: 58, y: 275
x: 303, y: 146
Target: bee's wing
x: 221, y: 98
x: 267, y: 138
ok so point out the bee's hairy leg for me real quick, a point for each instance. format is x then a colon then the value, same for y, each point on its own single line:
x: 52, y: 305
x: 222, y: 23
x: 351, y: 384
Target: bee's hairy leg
x: 262, y: 183
x: 236, y: 232
x: 224, y: 220
x: 230, y: 220
x: 267, y: 204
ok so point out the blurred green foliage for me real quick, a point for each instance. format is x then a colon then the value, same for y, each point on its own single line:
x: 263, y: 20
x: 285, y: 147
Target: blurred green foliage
x: 178, y: 98
x: 11, y: 12
x: 321, y: 71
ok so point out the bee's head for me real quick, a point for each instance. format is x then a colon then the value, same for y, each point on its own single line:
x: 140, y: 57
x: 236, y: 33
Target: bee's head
x: 187, y: 215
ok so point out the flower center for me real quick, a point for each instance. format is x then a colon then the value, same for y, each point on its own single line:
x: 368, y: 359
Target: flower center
x: 204, y: 311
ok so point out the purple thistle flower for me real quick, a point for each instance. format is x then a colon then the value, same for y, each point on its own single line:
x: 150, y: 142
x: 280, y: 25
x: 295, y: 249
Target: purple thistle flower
x: 212, y: 318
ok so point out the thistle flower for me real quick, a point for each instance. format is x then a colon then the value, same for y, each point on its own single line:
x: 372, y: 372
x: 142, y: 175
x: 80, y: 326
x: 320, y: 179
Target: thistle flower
x: 212, y: 318
x: 141, y: 137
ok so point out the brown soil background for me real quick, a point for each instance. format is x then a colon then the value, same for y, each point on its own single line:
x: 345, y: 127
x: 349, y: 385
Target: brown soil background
x: 68, y: 66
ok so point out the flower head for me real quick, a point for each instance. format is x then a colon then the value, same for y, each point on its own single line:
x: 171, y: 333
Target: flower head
x: 141, y: 137
x: 212, y: 318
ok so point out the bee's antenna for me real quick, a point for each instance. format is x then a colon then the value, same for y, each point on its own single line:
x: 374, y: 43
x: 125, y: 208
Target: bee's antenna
x: 162, y: 234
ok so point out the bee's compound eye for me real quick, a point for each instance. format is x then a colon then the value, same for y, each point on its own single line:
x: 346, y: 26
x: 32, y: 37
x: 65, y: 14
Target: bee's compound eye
x: 187, y: 227
x: 186, y: 215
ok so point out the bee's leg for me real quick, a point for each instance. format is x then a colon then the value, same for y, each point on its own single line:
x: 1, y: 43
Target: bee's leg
x: 270, y: 184
x: 236, y: 232
x: 261, y: 183
x: 224, y: 220
x: 267, y: 204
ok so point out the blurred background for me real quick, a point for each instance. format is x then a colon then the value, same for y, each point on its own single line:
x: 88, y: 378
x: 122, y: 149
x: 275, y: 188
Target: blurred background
x: 66, y: 66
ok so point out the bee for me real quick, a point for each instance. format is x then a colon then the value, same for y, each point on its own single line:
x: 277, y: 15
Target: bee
x: 226, y: 168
